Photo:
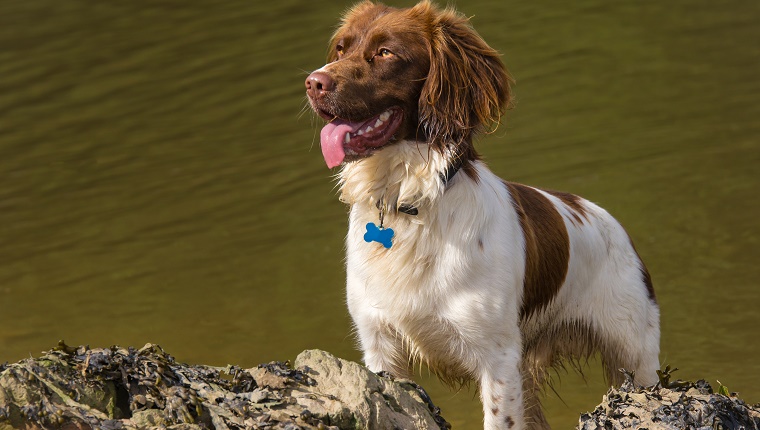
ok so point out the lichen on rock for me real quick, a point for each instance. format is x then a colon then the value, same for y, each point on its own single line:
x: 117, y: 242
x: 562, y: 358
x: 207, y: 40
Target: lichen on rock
x: 128, y: 388
x: 667, y: 405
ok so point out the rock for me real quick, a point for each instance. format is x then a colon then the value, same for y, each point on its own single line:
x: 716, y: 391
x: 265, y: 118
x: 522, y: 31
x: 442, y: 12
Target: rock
x: 372, y: 401
x: 670, y: 405
x: 126, y: 388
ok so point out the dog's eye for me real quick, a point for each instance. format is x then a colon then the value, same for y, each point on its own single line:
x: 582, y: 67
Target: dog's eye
x: 339, y: 49
x: 385, y: 53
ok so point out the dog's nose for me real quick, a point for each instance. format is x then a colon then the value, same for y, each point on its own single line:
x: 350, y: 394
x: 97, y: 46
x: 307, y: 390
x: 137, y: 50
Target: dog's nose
x: 319, y: 83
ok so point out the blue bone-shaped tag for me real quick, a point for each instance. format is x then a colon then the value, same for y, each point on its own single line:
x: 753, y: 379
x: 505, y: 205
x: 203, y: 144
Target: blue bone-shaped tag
x: 380, y: 235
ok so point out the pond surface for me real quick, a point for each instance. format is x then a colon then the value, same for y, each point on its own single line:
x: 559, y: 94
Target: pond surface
x: 160, y: 181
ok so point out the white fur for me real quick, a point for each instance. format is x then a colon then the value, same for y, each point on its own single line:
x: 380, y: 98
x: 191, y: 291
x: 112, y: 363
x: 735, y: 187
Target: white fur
x: 449, y: 291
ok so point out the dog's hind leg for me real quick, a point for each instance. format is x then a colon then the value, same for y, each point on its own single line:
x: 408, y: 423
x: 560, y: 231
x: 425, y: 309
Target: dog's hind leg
x: 533, y: 383
x: 620, y: 309
x: 628, y: 334
x: 538, y: 357
x: 637, y: 351
x: 648, y: 360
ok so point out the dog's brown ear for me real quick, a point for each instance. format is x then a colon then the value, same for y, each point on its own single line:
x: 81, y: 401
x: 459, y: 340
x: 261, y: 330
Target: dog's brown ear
x: 467, y: 88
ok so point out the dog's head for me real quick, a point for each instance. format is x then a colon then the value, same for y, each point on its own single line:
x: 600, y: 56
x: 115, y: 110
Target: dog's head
x: 419, y: 74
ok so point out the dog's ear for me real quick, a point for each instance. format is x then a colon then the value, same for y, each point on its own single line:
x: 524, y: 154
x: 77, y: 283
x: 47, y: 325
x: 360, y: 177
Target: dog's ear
x: 467, y: 88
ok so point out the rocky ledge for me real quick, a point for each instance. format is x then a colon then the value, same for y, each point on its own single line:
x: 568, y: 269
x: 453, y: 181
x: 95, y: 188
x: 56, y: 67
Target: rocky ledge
x: 128, y: 388
x: 671, y: 405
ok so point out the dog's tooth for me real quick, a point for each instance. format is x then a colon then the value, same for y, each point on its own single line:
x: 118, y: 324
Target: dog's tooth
x: 378, y: 123
x: 369, y: 128
x: 348, y: 138
x: 360, y: 132
x: 385, y: 115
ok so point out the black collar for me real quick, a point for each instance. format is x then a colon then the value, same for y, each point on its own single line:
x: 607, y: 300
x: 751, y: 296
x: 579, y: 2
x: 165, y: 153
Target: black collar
x: 445, y: 176
x: 451, y: 170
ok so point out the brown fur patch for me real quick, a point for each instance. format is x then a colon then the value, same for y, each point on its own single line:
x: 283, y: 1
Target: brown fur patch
x: 547, y: 247
x: 573, y: 202
x: 510, y: 423
x: 648, y: 282
x: 644, y: 273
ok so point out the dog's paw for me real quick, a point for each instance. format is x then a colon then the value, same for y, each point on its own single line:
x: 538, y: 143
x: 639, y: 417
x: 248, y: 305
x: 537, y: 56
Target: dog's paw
x: 385, y: 374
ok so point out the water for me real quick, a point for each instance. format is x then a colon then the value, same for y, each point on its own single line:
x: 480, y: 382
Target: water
x: 159, y: 184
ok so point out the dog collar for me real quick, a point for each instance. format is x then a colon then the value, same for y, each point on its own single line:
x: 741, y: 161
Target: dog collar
x: 446, y: 176
x: 451, y: 170
x: 385, y: 235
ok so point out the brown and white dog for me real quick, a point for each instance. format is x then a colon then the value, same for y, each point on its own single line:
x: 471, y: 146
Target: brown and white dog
x: 482, y: 279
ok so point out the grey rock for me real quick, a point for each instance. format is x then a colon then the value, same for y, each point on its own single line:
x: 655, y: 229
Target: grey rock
x: 670, y: 406
x: 363, y: 399
x: 127, y: 388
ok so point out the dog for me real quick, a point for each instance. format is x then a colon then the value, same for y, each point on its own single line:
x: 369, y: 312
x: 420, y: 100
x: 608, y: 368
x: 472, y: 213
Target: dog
x: 447, y: 264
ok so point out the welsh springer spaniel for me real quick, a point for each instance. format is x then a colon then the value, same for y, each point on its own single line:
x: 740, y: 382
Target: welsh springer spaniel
x: 447, y: 264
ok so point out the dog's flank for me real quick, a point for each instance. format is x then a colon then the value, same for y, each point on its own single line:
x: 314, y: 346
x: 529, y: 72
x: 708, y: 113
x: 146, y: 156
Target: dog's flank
x: 547, y: 247
x: 485, y: 280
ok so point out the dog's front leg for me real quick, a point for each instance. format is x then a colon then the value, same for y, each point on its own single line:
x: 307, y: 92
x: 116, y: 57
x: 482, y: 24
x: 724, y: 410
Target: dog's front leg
x: 501, y: 390
x: 382, y: 347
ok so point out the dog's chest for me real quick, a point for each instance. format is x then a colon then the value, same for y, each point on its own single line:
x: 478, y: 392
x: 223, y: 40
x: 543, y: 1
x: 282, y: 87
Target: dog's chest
x: 419, y: 271
x: 439, y: 276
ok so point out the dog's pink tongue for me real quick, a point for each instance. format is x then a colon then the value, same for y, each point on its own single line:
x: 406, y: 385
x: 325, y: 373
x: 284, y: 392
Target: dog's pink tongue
x: 332, y: 138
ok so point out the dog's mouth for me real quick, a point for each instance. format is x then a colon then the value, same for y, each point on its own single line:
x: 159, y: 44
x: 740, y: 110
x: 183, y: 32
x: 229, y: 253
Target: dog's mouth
x: 341, y: 139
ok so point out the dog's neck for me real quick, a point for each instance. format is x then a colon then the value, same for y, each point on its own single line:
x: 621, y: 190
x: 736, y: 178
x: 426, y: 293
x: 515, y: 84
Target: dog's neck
x: 405, y: 174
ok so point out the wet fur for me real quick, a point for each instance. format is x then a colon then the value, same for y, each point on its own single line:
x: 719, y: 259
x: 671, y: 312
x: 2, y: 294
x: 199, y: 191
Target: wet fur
x: 492, y: 281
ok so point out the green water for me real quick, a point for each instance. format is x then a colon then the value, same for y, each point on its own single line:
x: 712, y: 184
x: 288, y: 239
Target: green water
x: 158, y: 182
